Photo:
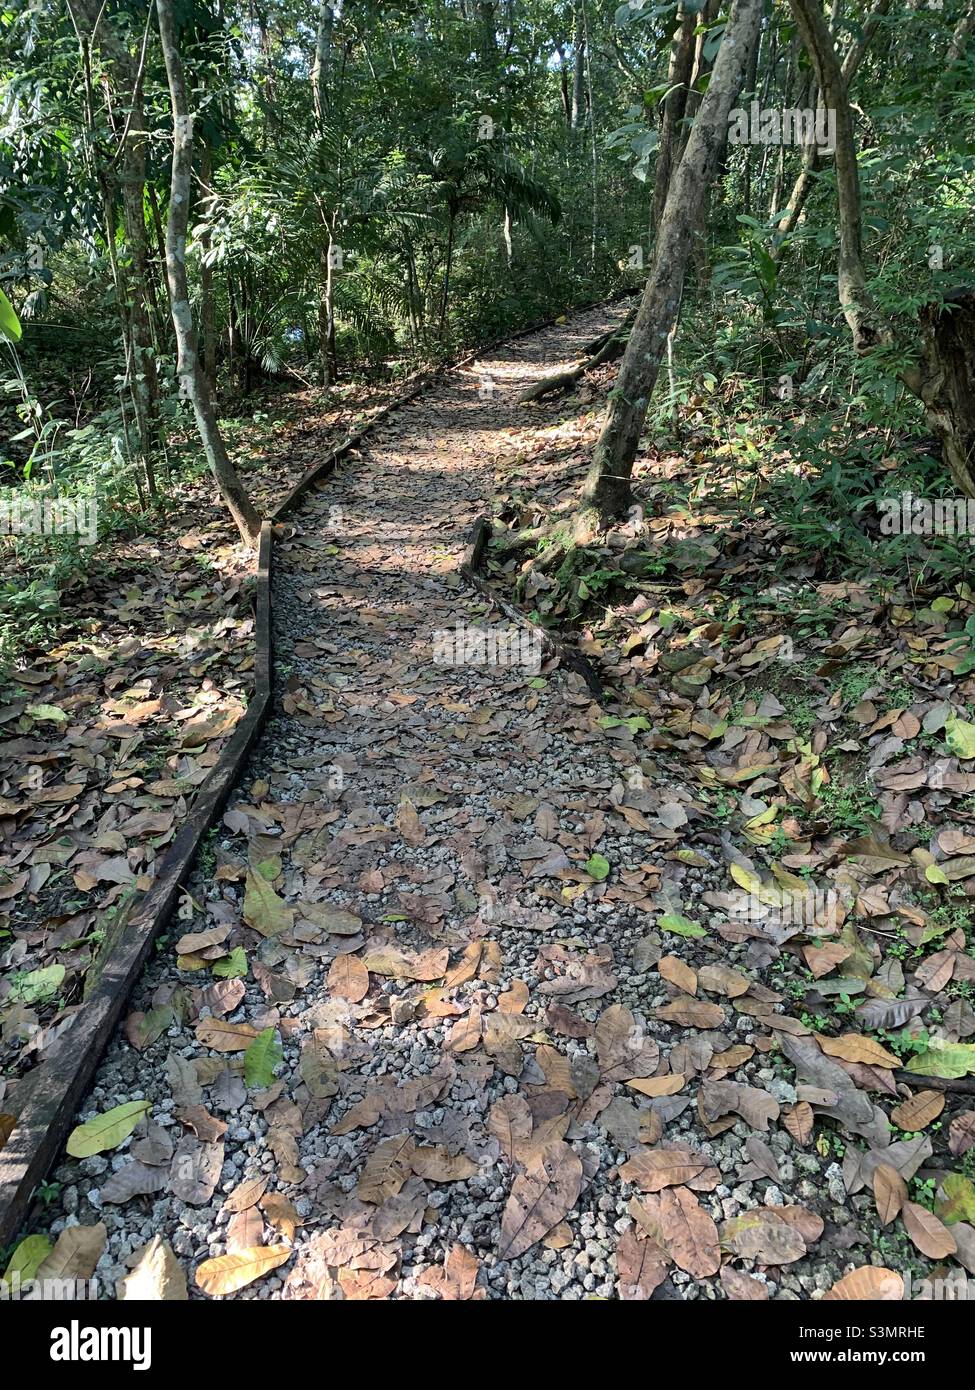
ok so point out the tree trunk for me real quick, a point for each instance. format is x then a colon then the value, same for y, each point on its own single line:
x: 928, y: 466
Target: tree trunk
x: 320, y: 66
x: 810, y: 158
x: 607, y: 490
x: 945, y: 378
x: 578, y: 71
x: 207, y: 316
x: 326, y: 315
x: 865, y: 324
x: 947, y: 385
x: 675, y: 103
x: 189, y: 366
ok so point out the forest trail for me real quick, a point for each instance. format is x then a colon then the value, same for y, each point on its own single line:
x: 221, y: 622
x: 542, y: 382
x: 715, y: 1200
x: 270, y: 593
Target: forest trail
x: 446, y: 1108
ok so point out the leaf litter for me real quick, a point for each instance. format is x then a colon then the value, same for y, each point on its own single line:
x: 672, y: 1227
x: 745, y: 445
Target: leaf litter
x: 489, y: 1015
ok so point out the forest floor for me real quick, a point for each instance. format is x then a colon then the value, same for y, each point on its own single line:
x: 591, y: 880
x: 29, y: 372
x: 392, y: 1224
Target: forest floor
x: 465, y: 1003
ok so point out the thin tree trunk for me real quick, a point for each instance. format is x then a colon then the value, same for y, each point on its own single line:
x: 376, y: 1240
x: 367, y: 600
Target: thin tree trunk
x: 858, y: 310
x: 675, y: 103
x: 326, y: 314
x: 446, y: 278
x: 320, y: 66
x: 607, y: 489
x: 810, y: 158
x: 578, y: 70
x: 189, y: 366
x: 943, y: 379
x: 207, y: 315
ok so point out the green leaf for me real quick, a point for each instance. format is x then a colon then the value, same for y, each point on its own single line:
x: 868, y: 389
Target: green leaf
x: 960, y: 737
x: 260, y: 1059
x: 232, y: 967
x: 263, y: 909
x: 27, y: 1259
x: 9, y: 322
x: 943, y: 1058
x: 106, y: 1131
x: 634, y: 722
x: 52, y: 713
x: 957, y: 1199
x: 37, y: 986
x: 598, y: 868
x: 680, y: 926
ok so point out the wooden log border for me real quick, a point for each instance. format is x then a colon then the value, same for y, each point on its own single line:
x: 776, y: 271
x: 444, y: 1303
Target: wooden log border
x: 46, y: 1100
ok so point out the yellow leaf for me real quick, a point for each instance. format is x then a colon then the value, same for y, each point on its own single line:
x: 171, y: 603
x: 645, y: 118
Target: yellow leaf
x: 227, y: 1273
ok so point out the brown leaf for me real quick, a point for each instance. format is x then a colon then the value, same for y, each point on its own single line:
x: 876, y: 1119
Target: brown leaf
x: 667, y: 1085
x: 868, y: 1283
x: 691, y: 1013
x: 76, y: 1253
x: 622, y: 1048
x: 742, y: 1288
x: 961, y: 1132
x: 221, y: 1036
x: 854, y: 1047
x: 466, y: 1032
x: 918, y: 1112
x: 754, y: 1105
x: 641, y: 1266
x: 386, y: 1169
x: 540, y: 1198
x: 244, y: 1230
x: 457, y: 1280
x: 348, y: 978
x: 675, y: 1221
x: 514, y: 1000
x: 764, y: 1236
x: 651, y: 1170
x: 928, y: 1234
x: 195, y: 1170
x: 436, y: 1164
x: 466, y: 967
x: 510, y: 1121
x: 673, y: 969
x: 720, y: 979
x: 889, y: 1192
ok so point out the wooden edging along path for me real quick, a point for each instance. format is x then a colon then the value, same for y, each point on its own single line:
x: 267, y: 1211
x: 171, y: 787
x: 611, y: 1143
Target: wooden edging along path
x: 46, y: 1100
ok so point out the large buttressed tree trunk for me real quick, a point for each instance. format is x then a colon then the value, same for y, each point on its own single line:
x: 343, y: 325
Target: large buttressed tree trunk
x: 943, y: 380
x: 189, y: 366
x: 607, y: 490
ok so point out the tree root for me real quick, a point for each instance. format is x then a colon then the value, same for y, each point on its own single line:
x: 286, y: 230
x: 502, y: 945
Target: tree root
x: 607, y: 349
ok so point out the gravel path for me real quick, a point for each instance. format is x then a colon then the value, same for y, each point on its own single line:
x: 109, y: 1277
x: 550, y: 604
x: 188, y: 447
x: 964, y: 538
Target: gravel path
x: 424, y: 937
